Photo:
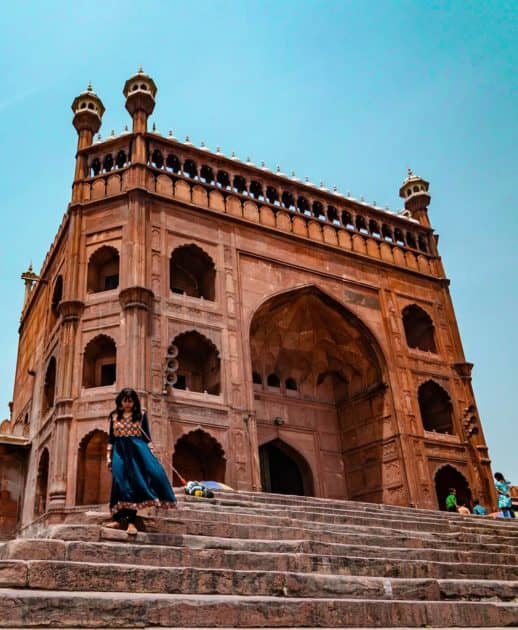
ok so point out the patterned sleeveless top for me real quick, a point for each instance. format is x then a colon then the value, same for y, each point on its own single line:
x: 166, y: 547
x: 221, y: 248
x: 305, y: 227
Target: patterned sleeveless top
x: 126, y: 427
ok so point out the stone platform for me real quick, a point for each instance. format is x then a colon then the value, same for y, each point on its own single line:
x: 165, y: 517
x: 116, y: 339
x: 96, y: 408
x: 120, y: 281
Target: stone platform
x: 258, y: 560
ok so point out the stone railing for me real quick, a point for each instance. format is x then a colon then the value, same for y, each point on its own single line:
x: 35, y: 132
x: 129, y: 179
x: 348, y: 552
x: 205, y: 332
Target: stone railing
x: 227, y: 185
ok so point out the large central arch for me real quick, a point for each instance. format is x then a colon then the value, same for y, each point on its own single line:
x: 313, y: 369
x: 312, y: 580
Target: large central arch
x: 319, y: 385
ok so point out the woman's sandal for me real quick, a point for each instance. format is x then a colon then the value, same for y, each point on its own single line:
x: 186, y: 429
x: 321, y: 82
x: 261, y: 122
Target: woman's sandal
x: 132, y: 530
x: 113, y: 525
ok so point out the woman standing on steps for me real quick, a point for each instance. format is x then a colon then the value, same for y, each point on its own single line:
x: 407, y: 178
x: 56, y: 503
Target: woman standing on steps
x: 138, y: 478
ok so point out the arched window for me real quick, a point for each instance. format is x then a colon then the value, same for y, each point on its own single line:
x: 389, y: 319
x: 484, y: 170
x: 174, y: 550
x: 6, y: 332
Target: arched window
x: 240, y: 184
x: 49, y: 386
x: 256, y: 378
x: 57, y: 296
x: 436, y: 408
x: 108, y: 163
x: 291, y: 384
x: 100, y: 362
x: 192, y: 272
x: 256, y: 190
x: 207, y: 174
x: 103, y: 270
x: 198, y: 364
x: 40, y: 499
x: 190, y: 168
x: 172, y: 163
x: 419, y: 328
x: 273, y: 380
x: 93, y: 477
x: 198, y: 455
x: 157, y: 159
x: 223, y: 179
x: 449, y: 477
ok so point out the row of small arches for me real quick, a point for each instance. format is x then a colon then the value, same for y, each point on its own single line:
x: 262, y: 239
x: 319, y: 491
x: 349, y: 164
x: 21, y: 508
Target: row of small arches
x: 287, y: 200
x: 198, y: 366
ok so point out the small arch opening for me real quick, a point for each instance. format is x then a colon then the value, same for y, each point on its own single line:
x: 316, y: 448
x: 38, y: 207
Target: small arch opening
x: 190, y: 169
x: 436, y: 408
x: 103, y: 270
x: 49, y: 386
x: 198, y: 364
x: 157, y: 159
x: 42, y: 480
x: 100, y: 362
x: 419, y: 328
x: 93, y: 477
x: 192, y: 273
x: 199, y: 457
x: 172, y: 163
x: 273, y: 380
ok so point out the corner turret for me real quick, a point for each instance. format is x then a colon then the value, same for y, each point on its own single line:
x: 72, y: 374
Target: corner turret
x: 140, y: 91
x: 88, y: 113
x: 415, y: 193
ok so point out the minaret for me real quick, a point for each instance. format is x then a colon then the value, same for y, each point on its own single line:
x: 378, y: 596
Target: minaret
x: 29, y: 278
x: 140, y: 91
x: 417, y: 198
x: 88, y: 113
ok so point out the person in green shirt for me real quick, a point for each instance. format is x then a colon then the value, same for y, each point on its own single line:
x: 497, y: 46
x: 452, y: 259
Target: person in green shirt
x: 451, y: 500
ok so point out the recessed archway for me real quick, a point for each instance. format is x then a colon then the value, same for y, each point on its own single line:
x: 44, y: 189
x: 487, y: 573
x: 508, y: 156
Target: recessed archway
x: 93, y: 476
x: 449, y: 477
x: 284, y: 470
x: 318, y: 372
x: 42, y: 480
x: 103, y: 270
x: 199, y: 457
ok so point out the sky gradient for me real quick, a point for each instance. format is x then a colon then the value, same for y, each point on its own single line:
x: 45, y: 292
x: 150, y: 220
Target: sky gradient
x: 350, y: 93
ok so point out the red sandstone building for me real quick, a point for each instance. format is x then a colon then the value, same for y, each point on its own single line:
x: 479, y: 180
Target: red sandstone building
x: 282, y: 336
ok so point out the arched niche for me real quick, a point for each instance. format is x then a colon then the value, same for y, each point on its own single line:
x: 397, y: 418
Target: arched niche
x: 199, y: 457
x: 436, y: 408
x: 49, y: 386
x: 103, y: 270
x: 57, y: 296
x: 419, y: 328
x: 93, y: 477
x: 192, y: 272
x: 284, y: 470
x: 42, y: 480
x: 100, y: 362
x: 199, y: 368
x: 449, y: 477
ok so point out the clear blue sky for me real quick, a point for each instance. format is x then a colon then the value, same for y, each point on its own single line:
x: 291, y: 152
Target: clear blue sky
x: 351, y: 93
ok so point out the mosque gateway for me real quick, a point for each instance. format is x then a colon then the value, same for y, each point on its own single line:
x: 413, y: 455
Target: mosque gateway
x: 283, y: 337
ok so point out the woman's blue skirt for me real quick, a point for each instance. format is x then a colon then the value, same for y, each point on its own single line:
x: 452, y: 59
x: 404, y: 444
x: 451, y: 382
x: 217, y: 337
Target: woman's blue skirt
x: 138, y: 478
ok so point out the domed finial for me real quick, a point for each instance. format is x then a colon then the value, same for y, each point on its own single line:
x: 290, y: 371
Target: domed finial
x: 410, y: 173
x: 112, y: 134
x: 153, y: 128
x: 89, y: 88
x: 140, y: 70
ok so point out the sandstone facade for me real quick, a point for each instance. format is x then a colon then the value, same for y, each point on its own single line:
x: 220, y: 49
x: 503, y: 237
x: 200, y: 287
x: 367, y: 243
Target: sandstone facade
x: 282, y: 336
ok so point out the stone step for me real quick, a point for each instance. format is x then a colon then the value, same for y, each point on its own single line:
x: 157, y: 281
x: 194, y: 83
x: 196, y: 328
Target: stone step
x: 32, y: 549
x: 352, y: 509
x: 277, y: 501
x: 61, y: 609
x: 88, y: 576
x: 217, y: 513
x: 124, y: 552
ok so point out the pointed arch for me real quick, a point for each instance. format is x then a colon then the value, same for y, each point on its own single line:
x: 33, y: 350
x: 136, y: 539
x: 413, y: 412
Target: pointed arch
x: 199, y: 365
x: 198, y: 456
x: 419, y: 328
x: 448, y: 476
x: 42, y: 480
x: 436, y: 408
x: 49, y: 385
x: 93, y: 477
x: 192, y: 272
x: 103, y: 270
x: 284, y: 469
x: 100, y: 362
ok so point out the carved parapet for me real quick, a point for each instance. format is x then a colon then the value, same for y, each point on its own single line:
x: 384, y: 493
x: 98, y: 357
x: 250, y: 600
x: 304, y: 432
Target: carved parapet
x: 71, y: 310
x: 136, y: 297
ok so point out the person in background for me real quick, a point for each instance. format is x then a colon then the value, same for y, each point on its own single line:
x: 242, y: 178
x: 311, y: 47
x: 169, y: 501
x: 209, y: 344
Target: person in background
x: 451, y: 500
x: 463, y: 509
x: 138, y: 478
x: 505, y: 503
x: 478, y: 509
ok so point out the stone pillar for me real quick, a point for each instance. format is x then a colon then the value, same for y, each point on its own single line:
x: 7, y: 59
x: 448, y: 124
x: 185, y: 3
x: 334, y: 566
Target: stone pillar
x: 137, y: 306
x: 59, y: 457
x: 255, y: 470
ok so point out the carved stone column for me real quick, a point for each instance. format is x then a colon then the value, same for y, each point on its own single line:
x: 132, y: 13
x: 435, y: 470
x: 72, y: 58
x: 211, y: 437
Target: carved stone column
x: 137, y: 306
x: 70, y: 312
x: 255, y: 470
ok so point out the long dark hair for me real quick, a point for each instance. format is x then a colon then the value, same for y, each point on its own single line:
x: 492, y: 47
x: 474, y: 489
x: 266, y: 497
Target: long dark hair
x: 127, y: 392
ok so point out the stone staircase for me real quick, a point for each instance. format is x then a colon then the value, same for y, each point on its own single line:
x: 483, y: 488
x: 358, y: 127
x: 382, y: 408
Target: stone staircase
x: 263, y: 560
